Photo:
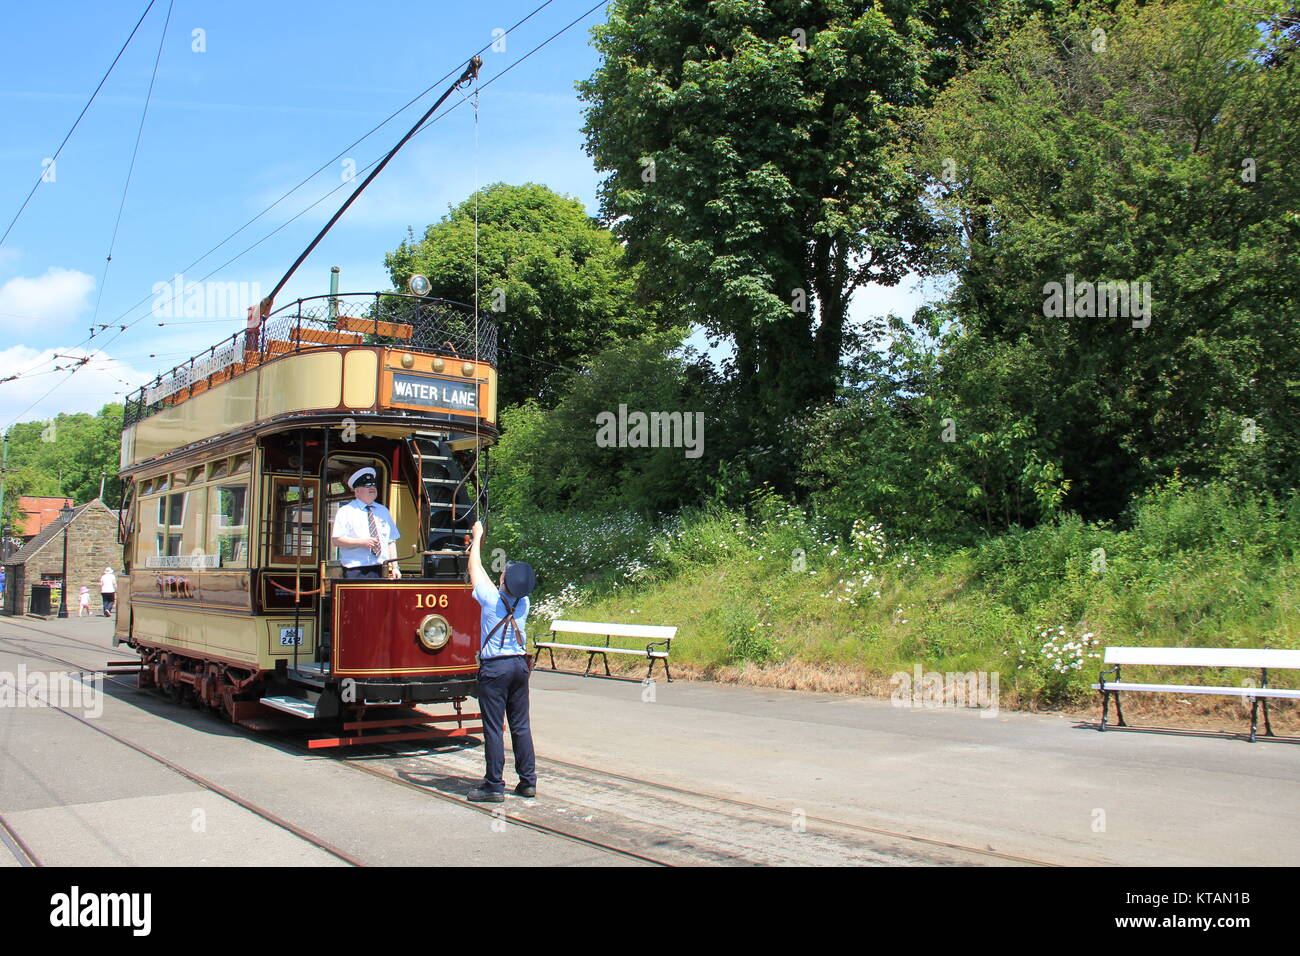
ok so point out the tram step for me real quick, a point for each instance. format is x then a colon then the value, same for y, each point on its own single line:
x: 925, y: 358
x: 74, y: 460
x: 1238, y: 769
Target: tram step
x: 292, y: 705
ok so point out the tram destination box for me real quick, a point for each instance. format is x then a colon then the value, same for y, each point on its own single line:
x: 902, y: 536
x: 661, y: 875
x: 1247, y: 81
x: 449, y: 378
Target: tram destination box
x: 429, y: 392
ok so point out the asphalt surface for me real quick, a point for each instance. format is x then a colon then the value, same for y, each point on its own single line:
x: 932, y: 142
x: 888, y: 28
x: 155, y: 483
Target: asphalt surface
x: 687, y: 773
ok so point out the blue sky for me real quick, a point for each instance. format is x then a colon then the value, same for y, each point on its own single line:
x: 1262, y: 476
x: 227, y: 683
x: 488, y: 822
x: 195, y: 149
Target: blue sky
x: 279, y: 89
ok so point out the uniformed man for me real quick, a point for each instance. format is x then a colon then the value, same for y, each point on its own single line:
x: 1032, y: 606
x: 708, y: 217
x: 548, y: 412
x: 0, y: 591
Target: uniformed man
x: 503, y: 673
x: 364, y: 531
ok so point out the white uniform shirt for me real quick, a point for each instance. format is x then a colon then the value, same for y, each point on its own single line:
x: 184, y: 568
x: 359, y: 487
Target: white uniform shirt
x: 352, y: 522
x: 107, y: 583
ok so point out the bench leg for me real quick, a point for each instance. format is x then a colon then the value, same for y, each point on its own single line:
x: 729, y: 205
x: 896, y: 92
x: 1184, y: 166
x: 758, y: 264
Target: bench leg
x: 552, y: 650
x: 1105, y: 708
x: 651, y: 669
x: 604, y: 659
x: 1119, y: 710
x: 1254, y: 710
x: 591, y: 656
x: 1268, y: 728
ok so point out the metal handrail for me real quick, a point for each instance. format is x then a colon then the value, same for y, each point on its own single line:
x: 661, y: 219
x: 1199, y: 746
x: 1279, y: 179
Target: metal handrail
x: 435, y: 324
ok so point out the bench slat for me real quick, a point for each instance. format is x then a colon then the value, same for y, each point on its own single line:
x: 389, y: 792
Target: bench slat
x: 603, y: 650
x: 654, y: 631
x: 1201, y: 689
x: 1204, y: 656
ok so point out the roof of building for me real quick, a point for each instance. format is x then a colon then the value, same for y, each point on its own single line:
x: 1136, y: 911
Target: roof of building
x: 34, y: 546
x: 38, y: 512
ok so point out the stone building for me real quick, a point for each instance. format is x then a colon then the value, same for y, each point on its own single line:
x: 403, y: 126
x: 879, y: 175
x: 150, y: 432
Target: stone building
x: 92, y: 546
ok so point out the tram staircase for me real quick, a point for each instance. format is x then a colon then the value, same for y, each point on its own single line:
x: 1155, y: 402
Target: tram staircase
x: 449, y: 492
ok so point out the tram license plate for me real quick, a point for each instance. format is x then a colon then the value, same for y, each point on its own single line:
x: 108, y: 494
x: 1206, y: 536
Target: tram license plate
x: 291, y: 637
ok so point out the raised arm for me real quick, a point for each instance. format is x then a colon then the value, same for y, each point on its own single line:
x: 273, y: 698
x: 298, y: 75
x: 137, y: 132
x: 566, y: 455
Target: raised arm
x: 477, y: 576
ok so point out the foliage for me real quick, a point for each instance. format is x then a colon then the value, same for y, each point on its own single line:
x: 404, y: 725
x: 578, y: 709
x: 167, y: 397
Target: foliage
x: 1154, y: 144
x: 551, y: 458
x: 67, y: 455
x: 905, y: 446
x: 563, y: 287
x: 748, y: 171
x: 1201, y: 566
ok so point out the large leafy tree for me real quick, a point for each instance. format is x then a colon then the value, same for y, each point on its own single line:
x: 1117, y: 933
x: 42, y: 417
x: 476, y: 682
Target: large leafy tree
x: 746, y: 147
x: 1154, y: 144
x: 67, y: 455
x: 551, y: 277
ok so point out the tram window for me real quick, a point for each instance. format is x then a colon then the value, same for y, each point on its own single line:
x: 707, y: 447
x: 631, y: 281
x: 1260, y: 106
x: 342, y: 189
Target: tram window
x: 219, y: 469
x: 241, y: 463
x: 229, y: 535
x: 294, y: 534
x: 171, y: 509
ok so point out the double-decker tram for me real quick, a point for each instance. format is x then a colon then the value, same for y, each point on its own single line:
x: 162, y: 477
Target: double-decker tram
x: 236, y: 464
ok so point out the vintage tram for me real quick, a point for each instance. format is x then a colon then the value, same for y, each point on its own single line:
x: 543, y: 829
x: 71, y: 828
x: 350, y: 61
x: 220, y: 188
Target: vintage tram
x: 235, y: 465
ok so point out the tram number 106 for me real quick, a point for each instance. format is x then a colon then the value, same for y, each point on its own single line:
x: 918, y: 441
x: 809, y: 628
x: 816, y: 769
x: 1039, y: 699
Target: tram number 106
x: 423, y: 601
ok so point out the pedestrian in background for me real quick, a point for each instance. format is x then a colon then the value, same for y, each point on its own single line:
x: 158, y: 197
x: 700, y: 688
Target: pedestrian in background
x: 83, y: 608
x: 108, y: 590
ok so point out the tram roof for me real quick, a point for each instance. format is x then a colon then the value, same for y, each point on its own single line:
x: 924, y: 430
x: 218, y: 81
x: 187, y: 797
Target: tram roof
x: 381, y: 360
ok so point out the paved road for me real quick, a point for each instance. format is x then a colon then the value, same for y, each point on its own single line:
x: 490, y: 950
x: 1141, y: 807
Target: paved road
x: 76, y: 797
x: 1037, y: 786
x: 688, y: 773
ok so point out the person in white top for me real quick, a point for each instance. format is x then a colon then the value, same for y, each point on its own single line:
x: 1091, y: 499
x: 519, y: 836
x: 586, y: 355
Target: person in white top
x: 108, y: 590
x: 364, y: 531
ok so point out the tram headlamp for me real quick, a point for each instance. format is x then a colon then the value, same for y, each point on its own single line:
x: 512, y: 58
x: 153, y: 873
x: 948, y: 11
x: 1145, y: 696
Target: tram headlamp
x: 419, y: 285
x: 434, y: 632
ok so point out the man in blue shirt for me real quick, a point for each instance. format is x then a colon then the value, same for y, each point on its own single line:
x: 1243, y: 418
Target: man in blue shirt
x: 503, y: 673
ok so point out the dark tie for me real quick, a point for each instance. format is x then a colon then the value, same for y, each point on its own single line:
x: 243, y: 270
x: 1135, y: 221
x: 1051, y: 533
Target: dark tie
x: 374, y: 528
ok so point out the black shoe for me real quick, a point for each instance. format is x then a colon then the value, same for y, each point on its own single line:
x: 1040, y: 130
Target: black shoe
x: 526, y: 790
x: 479, y: 795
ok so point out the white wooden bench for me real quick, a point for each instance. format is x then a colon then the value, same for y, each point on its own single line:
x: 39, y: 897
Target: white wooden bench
x: 1197, y: 657
x: 658, y: 638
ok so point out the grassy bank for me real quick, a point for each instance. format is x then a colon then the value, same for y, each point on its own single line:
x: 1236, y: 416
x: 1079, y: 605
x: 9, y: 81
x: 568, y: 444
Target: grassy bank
x: 773, y: 597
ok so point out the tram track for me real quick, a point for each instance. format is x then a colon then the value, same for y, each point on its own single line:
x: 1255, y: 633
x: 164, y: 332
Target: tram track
x: 15, y: 845
x: 715, y: 829
x: 287, y: 740
x: 194, y: 777
x: 695, y: 827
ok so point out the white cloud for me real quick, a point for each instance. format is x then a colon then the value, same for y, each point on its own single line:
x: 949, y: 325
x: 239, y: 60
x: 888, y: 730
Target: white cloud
x: 56, y: 297
x: 40, y: 392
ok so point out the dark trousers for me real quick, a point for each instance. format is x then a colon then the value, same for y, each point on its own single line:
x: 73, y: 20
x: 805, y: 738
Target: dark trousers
x: 503, y: 695
x: 109, y: 597
x: 365, y: 571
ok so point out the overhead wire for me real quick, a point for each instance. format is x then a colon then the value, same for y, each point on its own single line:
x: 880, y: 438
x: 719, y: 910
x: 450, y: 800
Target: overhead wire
x: 341, y: 185
x: 55, y: 157
x: 96, y: 331
x: 135, y: 152
x: 432, y: 120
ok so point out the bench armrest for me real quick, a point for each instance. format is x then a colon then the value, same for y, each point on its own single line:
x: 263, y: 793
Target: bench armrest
x: 666, y: 645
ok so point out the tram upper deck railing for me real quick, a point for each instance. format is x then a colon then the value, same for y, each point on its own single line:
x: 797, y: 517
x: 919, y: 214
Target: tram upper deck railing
x: 413, y: 323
